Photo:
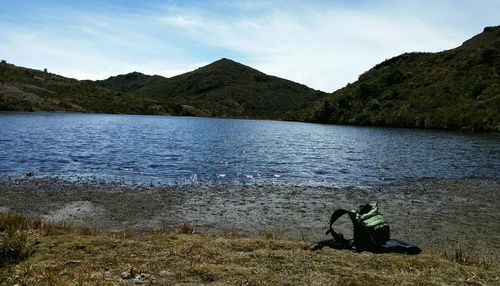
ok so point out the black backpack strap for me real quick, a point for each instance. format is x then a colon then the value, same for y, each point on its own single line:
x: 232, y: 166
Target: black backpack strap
x: 335, y: 216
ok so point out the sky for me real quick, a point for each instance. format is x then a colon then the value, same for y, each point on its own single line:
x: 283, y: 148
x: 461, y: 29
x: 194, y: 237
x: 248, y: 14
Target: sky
x: 323, y: 44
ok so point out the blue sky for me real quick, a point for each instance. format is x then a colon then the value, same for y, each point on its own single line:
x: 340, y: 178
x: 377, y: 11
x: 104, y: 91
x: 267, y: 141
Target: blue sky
x: 323, y: 44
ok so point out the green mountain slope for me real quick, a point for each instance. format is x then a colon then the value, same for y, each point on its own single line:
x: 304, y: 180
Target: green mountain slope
x: 28, y: 89
x: 224, y: 88
x: 227, y: 88
x: 453, y: 89
x: 24, y: 89
x: 128, y: 82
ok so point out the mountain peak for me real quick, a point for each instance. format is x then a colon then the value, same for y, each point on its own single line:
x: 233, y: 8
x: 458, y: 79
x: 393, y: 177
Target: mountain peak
x: 226, y: 60
x: 489, y: 38
x: 227, y: 67
x: 129, y: 76
x: 127, y: 82
x: 491, y: 29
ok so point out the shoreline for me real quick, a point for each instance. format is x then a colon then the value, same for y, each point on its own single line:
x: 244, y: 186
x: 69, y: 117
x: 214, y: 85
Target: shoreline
x: 435, y: 214
x: 461, y: 130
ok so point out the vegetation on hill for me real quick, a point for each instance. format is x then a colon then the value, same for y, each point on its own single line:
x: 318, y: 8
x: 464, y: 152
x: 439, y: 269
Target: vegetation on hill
x: 40, y: 253
x: 128, y: 82
x: 228, y: 89
x: 23, y: 89
x: 453, y: 89
x: 223, y: 89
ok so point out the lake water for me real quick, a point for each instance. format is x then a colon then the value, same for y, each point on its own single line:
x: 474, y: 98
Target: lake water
x: 183, y: 150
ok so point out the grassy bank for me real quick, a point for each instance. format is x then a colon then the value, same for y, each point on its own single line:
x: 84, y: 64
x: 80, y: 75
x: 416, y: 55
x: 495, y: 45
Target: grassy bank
x: 38, y: 253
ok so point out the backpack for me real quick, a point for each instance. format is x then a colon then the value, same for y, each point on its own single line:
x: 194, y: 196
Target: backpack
x: 371, y: 233
x: 370, y: 229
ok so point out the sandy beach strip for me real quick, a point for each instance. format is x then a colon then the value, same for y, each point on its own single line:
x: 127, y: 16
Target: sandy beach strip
x: 438, y: 215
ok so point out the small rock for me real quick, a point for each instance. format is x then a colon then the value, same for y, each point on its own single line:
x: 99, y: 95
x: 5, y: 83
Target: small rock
x: 126, y: 275
x: 107, y: 274
x: 164, y: 273
x: 139, y: 278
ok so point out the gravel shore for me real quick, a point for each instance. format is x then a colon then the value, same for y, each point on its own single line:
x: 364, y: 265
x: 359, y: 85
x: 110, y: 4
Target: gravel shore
x: 438, y: 215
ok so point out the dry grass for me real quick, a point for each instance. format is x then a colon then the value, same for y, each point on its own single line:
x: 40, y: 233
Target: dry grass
x: 467, y: 256
x: 14, y: 246
x: 186, y: 228
x: 172, y: 258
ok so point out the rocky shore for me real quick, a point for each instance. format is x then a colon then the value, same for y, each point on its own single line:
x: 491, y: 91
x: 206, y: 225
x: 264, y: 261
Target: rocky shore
x: 438, y: 215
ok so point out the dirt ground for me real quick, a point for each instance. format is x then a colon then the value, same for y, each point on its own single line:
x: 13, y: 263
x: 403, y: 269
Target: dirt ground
x: 438, y: 215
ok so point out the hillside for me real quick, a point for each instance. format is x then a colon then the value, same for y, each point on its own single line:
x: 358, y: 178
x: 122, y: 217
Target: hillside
x: 24, y: 89
x: 128, y: 82
x: 227, y: 88
x: 224, y: 89
x: 454, y: 89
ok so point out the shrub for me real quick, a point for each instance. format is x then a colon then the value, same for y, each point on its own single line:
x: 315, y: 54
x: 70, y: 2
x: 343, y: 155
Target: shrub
x: 186, y: 228
x: 14, y: 247
x: 461, y: 255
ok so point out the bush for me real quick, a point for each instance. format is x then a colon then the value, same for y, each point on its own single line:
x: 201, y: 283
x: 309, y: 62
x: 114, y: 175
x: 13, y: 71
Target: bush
x: 186, y: 228
x: 14, y: 247
x: 13, y: 222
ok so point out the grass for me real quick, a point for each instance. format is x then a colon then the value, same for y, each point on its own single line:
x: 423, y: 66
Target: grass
x: 461, y: 255
x: 186, y: 228
x: 75, y: 257
x: 466, y: 256
x: 14, y: 246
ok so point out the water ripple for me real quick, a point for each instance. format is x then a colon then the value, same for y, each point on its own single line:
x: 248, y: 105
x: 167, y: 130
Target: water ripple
x: 172, y: 150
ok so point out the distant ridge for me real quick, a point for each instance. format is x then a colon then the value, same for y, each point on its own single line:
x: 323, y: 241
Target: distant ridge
x: 128, y: 82
x: 458, y: 89
x: 226, y: 88
x: 223, y: 88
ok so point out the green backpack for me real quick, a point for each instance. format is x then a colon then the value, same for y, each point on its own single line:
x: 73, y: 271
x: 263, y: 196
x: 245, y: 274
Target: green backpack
x: 371, y: 231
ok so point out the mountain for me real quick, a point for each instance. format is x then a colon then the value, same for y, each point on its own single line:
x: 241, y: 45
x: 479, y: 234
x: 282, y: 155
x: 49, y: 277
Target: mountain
x: 453, y: 89
x: 24, y: 89
x: 224, y: 89
x: 457, y: 89
x: 128, y: 82
x: 229, y: 89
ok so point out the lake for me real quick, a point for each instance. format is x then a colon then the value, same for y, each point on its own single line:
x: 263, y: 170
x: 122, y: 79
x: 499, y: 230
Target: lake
x: 186, y: 150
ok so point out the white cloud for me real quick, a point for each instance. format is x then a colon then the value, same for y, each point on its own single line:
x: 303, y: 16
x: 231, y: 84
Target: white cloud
x: 93, y: 46
x: 320, y: 44
x: 324, y: 49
